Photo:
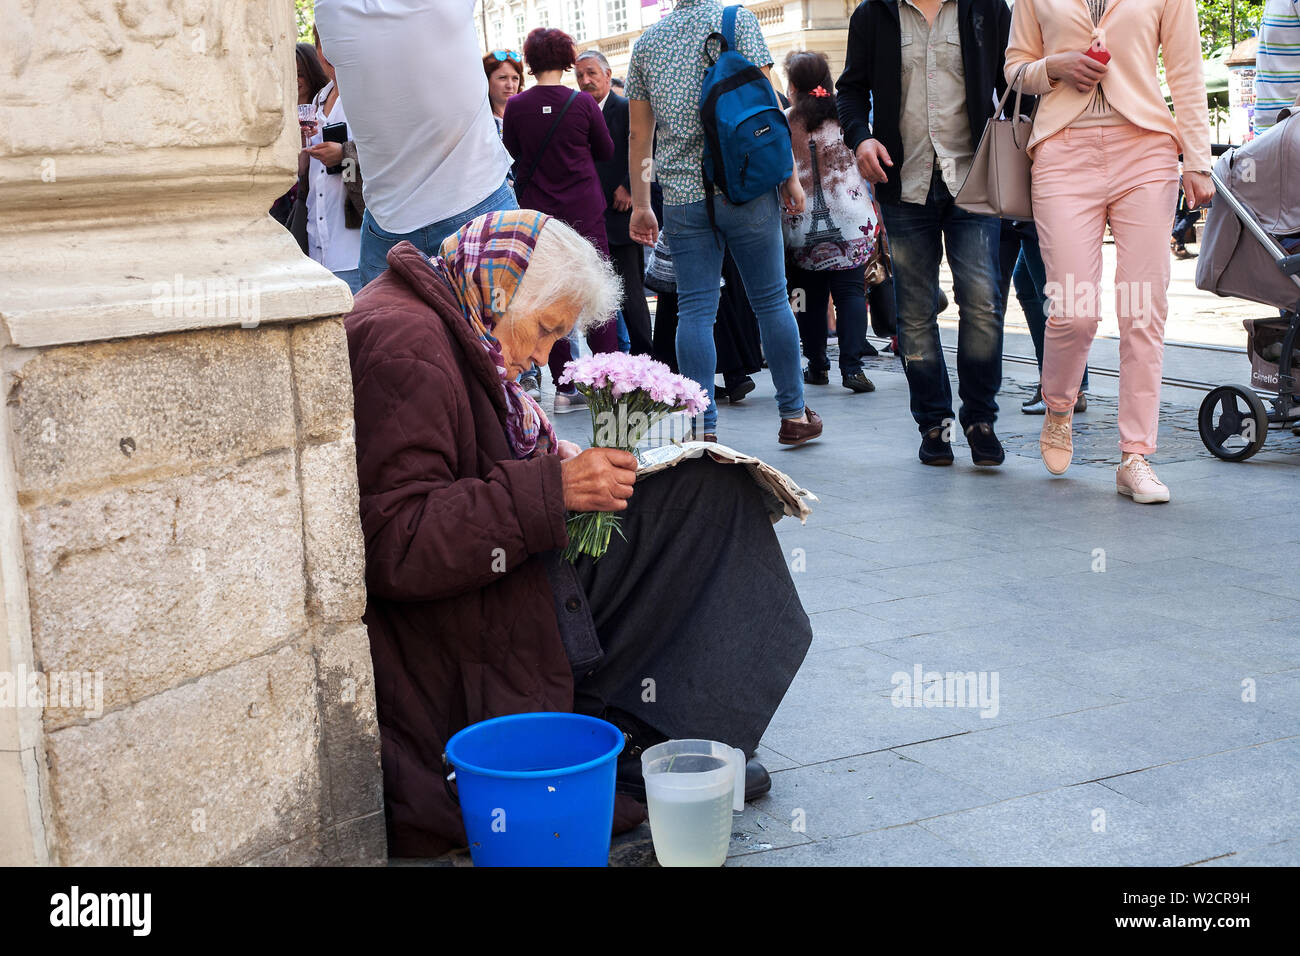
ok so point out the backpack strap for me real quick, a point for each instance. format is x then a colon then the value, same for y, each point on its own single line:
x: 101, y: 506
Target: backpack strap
x: 726, y: 38
x: 522, y: 181
x: 727, y: 41
x: 729, y: 27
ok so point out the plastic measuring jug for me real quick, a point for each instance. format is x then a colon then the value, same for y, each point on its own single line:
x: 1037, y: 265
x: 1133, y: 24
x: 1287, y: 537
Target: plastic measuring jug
x: 692, y: 787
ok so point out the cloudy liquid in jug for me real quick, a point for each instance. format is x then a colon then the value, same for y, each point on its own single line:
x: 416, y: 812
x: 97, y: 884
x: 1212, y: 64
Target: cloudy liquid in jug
x: 690, y: 827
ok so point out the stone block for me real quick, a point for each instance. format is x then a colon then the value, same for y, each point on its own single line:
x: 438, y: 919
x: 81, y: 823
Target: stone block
x: 1087, y: 825
x: 15, y: 825
x: 1286, y: 853
x: 359, y: 842
x: 335, y: 553
x: 862, y: 721
x: 156, y: 584
x: 302, y: 852
x: 898, y: 846
x: 1246, y: 798
x: 354, y: 785
x: 322, y: 379
x: 208, y: 772
x: 88, y: 414
x: 845, y: 797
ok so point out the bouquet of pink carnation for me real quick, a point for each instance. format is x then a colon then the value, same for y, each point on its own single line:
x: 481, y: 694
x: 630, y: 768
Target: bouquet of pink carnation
x: 627, y: 395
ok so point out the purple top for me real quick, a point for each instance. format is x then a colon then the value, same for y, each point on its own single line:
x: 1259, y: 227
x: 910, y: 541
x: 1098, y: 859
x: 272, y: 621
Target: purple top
x: 565, y: 184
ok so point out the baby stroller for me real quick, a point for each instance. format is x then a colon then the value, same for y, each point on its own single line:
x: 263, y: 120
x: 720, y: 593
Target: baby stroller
x: 1251, y: 249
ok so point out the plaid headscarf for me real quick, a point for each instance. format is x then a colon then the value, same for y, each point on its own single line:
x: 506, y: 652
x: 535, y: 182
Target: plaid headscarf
x: 485, y: 262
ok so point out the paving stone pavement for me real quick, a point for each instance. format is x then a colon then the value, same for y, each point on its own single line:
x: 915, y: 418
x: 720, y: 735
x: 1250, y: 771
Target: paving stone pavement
x: 1147, y: 658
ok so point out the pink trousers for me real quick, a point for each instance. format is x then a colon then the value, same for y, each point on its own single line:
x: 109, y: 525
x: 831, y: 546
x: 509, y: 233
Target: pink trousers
x: 1081, y: 179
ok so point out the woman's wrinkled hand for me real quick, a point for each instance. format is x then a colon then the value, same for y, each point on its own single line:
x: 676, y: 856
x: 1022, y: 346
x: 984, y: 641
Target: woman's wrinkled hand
x: 1078, y: 69
x: 598, y: 479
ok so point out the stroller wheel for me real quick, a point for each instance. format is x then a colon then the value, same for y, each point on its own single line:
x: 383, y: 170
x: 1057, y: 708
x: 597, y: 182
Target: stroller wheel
x: 1233, y: 422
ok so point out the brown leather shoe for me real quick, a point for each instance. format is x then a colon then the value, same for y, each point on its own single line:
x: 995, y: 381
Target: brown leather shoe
x: 796, y: 433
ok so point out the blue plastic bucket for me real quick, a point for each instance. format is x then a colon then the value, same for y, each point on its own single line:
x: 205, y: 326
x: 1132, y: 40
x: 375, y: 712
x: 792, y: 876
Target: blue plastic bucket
x: 537, y: 789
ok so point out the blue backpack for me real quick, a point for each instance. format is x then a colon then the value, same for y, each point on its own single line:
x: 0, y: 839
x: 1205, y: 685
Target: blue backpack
x: 746, y: 136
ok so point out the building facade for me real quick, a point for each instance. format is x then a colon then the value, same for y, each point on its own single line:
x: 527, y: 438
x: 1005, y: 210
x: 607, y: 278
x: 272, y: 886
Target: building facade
x: 612, y: 26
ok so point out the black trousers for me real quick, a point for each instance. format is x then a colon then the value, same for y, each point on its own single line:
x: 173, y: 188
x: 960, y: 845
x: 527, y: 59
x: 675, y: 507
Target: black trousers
x: 699, y: 620
x: 848, y: 289
x: 629, y: 263
x: 735, y: 330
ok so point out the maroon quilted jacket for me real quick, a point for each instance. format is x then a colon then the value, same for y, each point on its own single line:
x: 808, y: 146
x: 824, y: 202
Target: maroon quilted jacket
x: 443, y: 504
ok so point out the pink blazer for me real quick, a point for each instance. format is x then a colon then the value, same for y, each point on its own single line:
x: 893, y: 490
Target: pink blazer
x: 1133, y: 31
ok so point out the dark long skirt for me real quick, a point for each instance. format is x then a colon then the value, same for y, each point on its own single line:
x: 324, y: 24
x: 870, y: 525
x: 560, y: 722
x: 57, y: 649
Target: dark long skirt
x: 696, y: 613
x: 735, y: 331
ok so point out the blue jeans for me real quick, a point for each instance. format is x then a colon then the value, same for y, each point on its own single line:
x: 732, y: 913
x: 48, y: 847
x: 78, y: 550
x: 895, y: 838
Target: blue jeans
x: 917, y: 236
x: 376, y: 242
x: 1022, y: 265
x: 353, y: 278
x: 752, y: 232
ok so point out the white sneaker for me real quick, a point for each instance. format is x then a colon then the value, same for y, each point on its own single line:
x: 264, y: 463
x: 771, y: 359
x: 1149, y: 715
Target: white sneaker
x: 569, y: 403
x: 1135, y: 478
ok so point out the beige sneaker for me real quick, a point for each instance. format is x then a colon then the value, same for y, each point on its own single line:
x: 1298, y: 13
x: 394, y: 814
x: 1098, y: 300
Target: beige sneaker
x: 1135, y: 478
x: 1056, y: 443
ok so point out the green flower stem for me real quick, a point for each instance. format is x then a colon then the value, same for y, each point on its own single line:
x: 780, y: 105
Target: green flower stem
x: 590, y: 531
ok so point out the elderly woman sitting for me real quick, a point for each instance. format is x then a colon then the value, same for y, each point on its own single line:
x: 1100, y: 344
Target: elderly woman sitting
x: 689, y: 628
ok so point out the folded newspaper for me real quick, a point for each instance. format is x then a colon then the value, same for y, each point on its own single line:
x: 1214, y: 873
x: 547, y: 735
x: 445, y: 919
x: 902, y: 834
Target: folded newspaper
x: 782, y: 495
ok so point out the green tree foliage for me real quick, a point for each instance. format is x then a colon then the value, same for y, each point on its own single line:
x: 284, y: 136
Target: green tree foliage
x: 306, y: 17
x: 1217, y: 17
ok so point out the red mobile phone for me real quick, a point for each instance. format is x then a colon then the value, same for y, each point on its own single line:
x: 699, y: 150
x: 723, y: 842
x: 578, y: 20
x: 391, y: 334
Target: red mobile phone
x: 1101, y: 56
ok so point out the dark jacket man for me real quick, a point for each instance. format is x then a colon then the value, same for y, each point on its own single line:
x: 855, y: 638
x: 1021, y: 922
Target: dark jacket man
x: 624, y: 253
x: 613, y: 171
x: 873, y: 68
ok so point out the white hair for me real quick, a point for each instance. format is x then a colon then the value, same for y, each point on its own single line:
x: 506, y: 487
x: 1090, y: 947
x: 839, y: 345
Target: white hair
x: 594, y: 55
x: 566, y: 267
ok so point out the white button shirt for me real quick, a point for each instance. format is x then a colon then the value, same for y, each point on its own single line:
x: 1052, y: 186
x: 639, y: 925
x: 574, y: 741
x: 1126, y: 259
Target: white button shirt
x: 329, y: 241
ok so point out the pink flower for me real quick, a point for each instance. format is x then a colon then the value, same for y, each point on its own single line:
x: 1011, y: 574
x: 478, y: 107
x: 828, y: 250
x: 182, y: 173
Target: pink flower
x: 621, y: 376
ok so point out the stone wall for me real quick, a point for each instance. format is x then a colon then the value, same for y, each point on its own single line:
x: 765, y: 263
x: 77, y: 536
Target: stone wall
x: 179, y: 534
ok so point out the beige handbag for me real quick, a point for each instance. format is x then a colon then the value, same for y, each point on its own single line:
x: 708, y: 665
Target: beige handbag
x: 998, y: 181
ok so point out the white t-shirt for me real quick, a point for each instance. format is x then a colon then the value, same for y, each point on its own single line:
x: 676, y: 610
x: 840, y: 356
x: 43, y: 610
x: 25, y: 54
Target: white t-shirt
x: 418, y: 106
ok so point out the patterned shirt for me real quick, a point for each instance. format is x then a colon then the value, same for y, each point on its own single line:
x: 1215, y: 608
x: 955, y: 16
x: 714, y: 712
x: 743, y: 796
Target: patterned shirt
x: 667, y: 70
x: 1277, y: 64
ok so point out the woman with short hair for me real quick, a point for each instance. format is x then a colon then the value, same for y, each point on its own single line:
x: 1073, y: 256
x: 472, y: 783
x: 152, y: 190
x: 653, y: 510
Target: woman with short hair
x: 472, y: 611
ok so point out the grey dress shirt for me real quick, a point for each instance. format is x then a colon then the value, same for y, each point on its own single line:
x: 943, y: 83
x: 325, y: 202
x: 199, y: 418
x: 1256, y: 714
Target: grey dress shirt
x: 933, y: 120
